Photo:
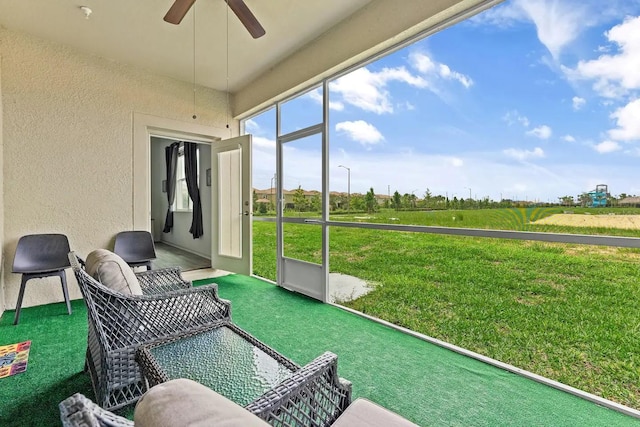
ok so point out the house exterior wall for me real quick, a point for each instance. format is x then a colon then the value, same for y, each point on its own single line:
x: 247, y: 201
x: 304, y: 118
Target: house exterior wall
x: 68, y: 143
x: 1, y: 196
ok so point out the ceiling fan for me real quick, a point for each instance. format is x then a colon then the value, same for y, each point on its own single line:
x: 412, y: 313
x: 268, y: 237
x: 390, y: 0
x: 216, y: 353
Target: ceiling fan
x: 180, y: 8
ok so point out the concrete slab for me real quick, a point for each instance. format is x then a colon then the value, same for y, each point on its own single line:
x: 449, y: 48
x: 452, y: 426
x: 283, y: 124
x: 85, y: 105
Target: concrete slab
x: 344, y: 288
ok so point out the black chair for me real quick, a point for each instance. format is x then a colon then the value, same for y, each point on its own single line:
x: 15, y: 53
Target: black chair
x: 136, y: 248
x: 38, y: 256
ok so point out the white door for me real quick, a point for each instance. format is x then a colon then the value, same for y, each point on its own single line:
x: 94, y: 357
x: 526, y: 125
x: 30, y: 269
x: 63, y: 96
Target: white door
x: 302, y: 231
x: 232, y: 205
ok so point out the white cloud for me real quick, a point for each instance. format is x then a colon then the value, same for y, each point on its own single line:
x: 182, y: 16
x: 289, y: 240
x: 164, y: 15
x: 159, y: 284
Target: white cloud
x: 607, y: 147
x: 456, y: 162
x: 578, y: 102
x: 316, y: 95
x: 261, y: 142
x: 447, y: 73
x: 557, y: 22
x: 616, y: 74
x: 430, y: 68
x: 361, y: 131
x: 542, y: 132
x: 251, y: 126
x: 504, y: 15
x: 422, y: 63
x: 367, y: 90
x: 569, y: 138
x: 511, y: 117
x: 628, y: 121
x: 524, y: 154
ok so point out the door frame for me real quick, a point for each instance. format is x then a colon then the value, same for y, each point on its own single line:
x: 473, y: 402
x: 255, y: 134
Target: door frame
x: 289, y: 271
x: 144, y: 126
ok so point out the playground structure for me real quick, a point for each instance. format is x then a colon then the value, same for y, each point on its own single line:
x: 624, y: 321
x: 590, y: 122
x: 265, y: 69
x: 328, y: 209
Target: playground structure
x: 599, y: 196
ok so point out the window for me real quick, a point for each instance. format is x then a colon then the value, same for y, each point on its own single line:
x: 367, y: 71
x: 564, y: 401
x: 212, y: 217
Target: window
x: 183, y: 202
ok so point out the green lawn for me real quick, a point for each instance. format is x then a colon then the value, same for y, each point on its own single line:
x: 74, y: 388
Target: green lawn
x: 567, y: 312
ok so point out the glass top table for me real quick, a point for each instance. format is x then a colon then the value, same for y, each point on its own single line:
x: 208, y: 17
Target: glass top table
x: 221, y: 356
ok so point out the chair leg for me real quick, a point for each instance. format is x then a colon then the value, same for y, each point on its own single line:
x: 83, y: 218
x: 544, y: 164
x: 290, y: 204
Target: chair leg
x: 65, y: 291
x: 23, y: 284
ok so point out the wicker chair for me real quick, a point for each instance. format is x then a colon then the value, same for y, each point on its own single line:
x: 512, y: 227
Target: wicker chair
x: 313, y: 396
x: 119, y: 323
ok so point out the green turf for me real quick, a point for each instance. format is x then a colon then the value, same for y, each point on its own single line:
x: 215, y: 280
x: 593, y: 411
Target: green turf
x: 564, y: 311
x: 54, y: 371
x: 423, y: 382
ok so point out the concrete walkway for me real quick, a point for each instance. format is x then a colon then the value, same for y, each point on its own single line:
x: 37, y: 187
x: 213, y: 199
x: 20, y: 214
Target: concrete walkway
x: 342, y: 287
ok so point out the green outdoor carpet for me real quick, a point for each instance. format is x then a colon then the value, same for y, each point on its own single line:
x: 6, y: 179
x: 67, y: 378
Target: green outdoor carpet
x: 56, y: 359
x: 423, y: 382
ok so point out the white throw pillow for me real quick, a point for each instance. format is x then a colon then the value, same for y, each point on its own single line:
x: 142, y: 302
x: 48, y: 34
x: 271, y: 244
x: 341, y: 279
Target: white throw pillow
x: 183, y: 402
x: 113, y: 272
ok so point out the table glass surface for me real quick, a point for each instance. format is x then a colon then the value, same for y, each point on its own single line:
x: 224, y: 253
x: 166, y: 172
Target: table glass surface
x: 223, y: 361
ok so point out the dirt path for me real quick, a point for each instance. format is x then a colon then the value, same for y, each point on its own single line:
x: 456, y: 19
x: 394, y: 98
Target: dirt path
x: 630, y: 222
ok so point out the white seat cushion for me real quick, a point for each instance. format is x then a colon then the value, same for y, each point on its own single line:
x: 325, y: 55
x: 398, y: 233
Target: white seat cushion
x: 113, y: 272
x: 183, y: 402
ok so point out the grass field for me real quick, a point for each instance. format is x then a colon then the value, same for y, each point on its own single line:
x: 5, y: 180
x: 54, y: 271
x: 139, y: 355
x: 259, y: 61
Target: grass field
x: 567, y: 312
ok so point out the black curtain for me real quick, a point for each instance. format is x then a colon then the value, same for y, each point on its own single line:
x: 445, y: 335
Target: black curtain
x: 191, y: 174
x: 171, y: 157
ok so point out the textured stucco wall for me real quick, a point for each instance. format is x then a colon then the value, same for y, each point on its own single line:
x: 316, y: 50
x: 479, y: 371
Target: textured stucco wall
x: 179, y: 235
x: 68, y: 143
x: 1, y: 196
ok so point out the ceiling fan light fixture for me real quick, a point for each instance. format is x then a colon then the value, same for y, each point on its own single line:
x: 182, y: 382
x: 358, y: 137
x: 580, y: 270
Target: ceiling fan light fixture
x: 179, y: 9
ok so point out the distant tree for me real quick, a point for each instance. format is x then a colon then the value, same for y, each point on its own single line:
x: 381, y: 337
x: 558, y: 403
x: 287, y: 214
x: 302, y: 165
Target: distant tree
x: 299, y: 201
x: 334, y: 201
x: 566, y: 200
x: 370, y: 201
x: 406, y: 200
x: 357, y: 202
x: 262, y: 208
x: 585, y: 199
x: 427, y: 198
x: 255, y: 200
x: 397, y: 200
x: 315, y: 203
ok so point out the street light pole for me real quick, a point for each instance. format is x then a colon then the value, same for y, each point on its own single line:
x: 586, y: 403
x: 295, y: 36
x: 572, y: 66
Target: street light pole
x: 348, y: 186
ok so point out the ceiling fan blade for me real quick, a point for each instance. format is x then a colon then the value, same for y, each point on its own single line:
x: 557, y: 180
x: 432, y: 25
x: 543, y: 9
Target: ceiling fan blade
x: 178, y: 10
x: 246, y: 17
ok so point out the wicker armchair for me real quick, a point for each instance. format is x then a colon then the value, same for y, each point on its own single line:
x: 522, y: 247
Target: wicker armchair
x: 313, y: 396
x: 119, y: 323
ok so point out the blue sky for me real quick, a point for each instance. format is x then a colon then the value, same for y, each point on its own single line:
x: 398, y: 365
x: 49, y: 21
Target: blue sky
x: 532, y: 99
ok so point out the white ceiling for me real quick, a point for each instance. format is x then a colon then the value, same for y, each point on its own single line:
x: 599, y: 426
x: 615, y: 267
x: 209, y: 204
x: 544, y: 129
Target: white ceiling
x: 133, y: 32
